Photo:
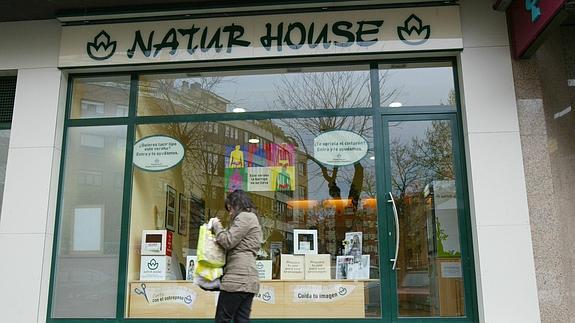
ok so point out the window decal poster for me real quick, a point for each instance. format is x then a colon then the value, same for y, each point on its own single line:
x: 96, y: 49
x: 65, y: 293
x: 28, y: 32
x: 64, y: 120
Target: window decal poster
x: 260, y: 167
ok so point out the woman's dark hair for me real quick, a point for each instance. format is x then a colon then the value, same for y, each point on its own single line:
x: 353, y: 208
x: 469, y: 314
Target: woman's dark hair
x: 239, y: 201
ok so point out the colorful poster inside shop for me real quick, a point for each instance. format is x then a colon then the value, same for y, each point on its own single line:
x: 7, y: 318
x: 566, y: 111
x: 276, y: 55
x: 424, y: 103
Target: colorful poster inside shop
x: 260, y: 167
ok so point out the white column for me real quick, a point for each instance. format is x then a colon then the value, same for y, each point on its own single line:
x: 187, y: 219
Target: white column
x: 28, y: 210
x: 504, y: 265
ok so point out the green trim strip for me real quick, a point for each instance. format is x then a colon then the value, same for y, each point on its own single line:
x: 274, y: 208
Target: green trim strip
x: 127, y: 201
x: 260, y: 115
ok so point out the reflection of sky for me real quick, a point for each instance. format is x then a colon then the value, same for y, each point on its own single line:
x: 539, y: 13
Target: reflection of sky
x: 406, y: 131
x: 421, y: 86
x: 415, y: 86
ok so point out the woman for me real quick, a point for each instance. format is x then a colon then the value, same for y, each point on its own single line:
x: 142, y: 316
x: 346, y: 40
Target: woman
x: 242, y: 240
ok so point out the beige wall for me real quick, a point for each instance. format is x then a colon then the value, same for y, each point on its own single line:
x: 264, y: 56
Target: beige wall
x: 547, y: 138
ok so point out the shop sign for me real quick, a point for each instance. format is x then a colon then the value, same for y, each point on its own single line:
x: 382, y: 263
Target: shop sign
x: 325, y: 33
x: 528, y: 20
x: 339, y: 147
x: 158, y: 153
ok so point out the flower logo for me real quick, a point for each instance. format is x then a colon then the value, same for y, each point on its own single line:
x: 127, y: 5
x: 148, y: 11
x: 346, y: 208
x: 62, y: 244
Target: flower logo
x: 153, y: 264
x: 102, y: 48
x: 413, y: 32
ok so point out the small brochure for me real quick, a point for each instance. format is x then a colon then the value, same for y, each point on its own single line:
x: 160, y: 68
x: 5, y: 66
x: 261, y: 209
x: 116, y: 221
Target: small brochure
x: 352, y: 244
x: 264, y: 268
x: 317, y: 267
x: 352, y: 267
x: 191, y: 262
x: 292, y: 267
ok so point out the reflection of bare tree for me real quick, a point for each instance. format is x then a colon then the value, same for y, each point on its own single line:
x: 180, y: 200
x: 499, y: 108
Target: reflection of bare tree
x: 434, y: 151
x: 332, y: 90
x: 405, y: 168
x: 423, y: 159
x: 169, y: 96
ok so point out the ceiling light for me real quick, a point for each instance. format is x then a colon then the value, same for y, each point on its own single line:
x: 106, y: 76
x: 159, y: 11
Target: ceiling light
x: 395, y: 105
x: 254, y: 141
x: 372, y: 157
x: 237, y: 110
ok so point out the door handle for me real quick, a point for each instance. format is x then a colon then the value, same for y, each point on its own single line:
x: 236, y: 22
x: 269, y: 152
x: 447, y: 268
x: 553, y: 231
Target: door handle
x: 396, y: 217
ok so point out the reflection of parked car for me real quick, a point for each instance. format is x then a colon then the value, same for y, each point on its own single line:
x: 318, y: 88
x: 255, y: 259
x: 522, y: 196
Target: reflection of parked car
x: 414, y: 293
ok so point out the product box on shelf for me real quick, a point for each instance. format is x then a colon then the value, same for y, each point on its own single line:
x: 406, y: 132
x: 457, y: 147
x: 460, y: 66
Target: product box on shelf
x: 156, y: 243
x: 156, y: 268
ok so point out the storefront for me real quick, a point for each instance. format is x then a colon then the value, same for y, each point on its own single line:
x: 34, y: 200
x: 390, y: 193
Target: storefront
x: 361, y: 134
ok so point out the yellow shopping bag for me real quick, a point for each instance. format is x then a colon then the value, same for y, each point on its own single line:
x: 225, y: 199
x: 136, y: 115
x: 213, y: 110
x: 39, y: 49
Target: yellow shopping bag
x: 208, y: 273
x: 209, y: 252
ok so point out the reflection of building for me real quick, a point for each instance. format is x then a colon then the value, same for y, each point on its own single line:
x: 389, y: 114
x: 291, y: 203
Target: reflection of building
x: 218, y: 154
x: 429, y: 244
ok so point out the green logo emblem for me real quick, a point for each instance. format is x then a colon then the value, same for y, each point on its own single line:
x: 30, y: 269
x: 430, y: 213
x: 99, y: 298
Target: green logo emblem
x: 413, y: 32
x: 102, y: 48
x: 153, y: 264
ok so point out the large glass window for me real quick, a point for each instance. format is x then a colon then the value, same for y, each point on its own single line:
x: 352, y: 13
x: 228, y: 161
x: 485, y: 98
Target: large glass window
x: 417, y: 85
x: 86, y: 278
x: 296, y: 89
x: 100, y: 97
x: 309, y: 146
x: 335, y: 203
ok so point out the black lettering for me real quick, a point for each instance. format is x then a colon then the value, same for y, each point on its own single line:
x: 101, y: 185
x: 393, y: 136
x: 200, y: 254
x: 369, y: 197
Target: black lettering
x: 337, y: 30
x: 288, y: 40
x: 170, y: 41
x: 214, y: 42
x: 321, y: 38
x: 360, y: 32
x: 190, y: 32
x: 139, y: 42
x: 267, y: 40
x: 235, y: 32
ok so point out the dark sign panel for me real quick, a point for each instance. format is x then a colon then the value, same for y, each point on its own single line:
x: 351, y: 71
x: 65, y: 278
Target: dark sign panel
x: 528, y: 19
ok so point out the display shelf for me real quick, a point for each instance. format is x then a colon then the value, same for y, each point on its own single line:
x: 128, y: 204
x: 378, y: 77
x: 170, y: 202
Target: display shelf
x: 277, y: 299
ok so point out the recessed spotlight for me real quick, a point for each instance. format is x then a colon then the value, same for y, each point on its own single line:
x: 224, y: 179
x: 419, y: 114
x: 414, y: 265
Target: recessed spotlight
x: 238, y: 110
x: 395, y: 105
x: 254, y: 141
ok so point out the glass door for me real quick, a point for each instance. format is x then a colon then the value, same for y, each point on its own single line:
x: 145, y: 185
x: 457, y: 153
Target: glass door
x: 424, y: 213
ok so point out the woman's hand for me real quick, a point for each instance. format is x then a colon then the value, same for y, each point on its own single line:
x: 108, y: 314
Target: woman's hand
x: 213, y: 222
